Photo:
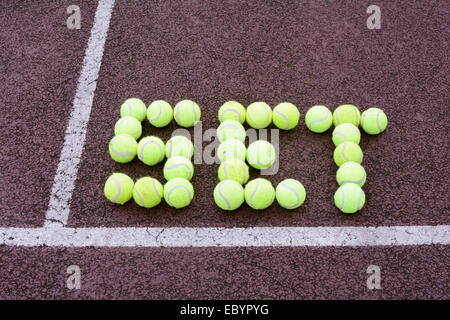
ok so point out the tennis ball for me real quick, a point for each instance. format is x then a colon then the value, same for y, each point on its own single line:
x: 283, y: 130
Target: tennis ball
x: 229, y: 195
x: 147, y: 192
x: 133, y: 107
x: 187, y: 113
x: 232, y: 110
x: 346, y: 113
x: 178, y: 192
x: 128, y: 125
x: 230, y: 129
x: 260, y: 154
x: 346, y: 132
x: 318, y: 119
x: 349, y: 198
x: 231, y: 149
x: 286, y: 116
x: 118, y: 188
x: 234, y: 169
x: 259, y: 115
x: 346, y: 152
x: 179, y: 146
x: 159, y: 113
x: 178, y: 167
x: 351, y: 172
x: 123, y: 148
x: 259, y: 193
x: 374, y: 121
x: 290, y: 194
x: 150, y: 150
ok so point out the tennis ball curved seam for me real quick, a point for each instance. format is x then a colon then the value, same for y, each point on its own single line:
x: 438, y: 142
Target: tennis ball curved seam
x: 122, y: 156
x: 343, y: 110
x: 255, y: 184
x: 181, y: 142
x: 143, y: 202
x: 175, y: 163
x: 379, y: 113
x: 342, y: 193
x: 351, y: 169
x: 129, y: 108
x: 146, y: 142
x: 321, y: 124
x: 291, y: 112
x: 228, y: 195
x: 237, y: 128
x: 196, y: 112
x: 235, y: 108
x: 163, y: 117
x: 294, y: 192
x: 123, y: 193
x: 251, y: 111
x: 231, y: 149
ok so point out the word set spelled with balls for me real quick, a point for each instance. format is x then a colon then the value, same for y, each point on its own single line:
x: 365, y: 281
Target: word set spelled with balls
x: 233, y: 171
x: 178, y: 170
x: 235, y: 187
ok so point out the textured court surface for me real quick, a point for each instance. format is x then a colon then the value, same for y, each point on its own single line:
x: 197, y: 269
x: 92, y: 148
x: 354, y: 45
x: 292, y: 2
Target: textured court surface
x: 306, y: 53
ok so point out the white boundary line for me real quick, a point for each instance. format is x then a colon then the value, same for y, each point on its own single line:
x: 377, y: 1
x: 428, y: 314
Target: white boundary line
x: 55, y: 234
x: 66, y: 173
x: 226, y: 237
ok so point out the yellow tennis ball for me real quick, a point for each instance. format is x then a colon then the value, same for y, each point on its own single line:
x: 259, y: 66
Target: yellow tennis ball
x: 231, y: 149
x: 286, y: 116
x: 346, y: 132
x: 147, y: 192
x: 133, y: 107
x: 374, y: 121
x: 318, y: 119
x: 234, y: 169
x: 229, y: 195
x: 231, y: 129
x: 179, y: 146
x: 349, y: 198
x: 259, y: 193
x: 128, y: 125
x: 178, y: 167
x: 290, y: 194
x: 346, y: 113
x: 123, y: 148
x: 187, y: 113
x: 351, y: 172
x: 261, y: 154
x: 118, y: 188
x: 159, y: 113
x: 150, y: 150
x: 232, y: 110
x: 178, y: 193
x: 346, y: 152
x: 259, y: 115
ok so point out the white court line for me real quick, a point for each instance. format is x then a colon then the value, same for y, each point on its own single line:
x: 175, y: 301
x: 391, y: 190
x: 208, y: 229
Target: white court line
x: 66, y: 173
x: 227, y: 237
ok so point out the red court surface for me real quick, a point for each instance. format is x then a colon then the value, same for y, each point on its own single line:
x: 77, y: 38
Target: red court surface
x: 40, y: 64
x: 307, y: 53
x: 226, y: 273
